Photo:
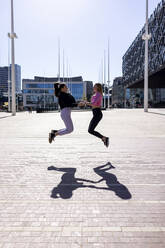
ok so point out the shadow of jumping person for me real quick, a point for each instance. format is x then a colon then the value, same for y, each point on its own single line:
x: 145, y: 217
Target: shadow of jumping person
x: 111, y: 181
x: 68, y: 183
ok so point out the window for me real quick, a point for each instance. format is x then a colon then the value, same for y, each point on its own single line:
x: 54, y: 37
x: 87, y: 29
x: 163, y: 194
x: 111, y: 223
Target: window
x: 77, y: 90
x: 42, y: 91
x: 39, y: 100
x: 40, y: 86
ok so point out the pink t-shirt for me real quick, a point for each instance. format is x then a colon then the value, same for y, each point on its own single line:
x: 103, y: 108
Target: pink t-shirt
x: 97, y: 99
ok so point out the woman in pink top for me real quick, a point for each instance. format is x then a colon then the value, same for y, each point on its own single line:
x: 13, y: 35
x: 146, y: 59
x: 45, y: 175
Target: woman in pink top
x: 95, y: 103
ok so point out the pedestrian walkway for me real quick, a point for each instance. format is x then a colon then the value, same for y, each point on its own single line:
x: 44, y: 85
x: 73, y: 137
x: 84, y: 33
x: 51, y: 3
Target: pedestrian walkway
x: 76, y: 193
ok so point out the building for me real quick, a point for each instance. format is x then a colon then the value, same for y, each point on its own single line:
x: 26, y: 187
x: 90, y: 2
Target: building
x: 5, y: 73
x: 118, y: 92
x: 3, y: 80
x: 39, y: 92
x: 89, y: 90
x: 133, y: 60
x: 17, y: 78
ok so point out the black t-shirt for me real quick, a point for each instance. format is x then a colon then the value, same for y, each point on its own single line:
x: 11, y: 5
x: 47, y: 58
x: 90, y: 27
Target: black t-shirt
x: 66, y: 100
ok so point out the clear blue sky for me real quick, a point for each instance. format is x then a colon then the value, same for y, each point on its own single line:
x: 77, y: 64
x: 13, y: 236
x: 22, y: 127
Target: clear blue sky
x: 83, y: 26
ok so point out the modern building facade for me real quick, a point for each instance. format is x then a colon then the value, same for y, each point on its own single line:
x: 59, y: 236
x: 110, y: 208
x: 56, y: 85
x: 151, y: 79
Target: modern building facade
x: 118, y: 92
x: 5, y: 75
x: 17, y: 78
x: 3, y: 80
x: 133, y: 60
x: 39, y: 92
x: 88, y: 90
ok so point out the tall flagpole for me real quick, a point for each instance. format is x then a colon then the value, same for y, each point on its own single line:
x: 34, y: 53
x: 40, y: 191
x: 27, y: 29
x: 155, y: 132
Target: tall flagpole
x: 59, y: 59
x: 67, y: 71
x: 9, y: 76
x: 12, y: 36
x: 44, y: 89
x: 63, y: 66
x: 70, y: 74
x: 108, y: 73
x: 104, y: 79
x: 99, y: 74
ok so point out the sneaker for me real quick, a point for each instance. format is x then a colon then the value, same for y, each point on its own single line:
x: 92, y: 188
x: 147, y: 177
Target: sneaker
x: 51, y: 137
x: 106, y: 142
x: 54, y: 131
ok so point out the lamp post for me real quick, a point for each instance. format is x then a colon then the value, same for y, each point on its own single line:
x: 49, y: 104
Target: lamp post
x: 59, y: 60
x: 108, y: 74
x: 104, y: 79
x: 63, y: 66
x: 44, y: 90
x: 146, y: 37
x: 12, y: 36
x: 9, y: 76
x: 67, y: 72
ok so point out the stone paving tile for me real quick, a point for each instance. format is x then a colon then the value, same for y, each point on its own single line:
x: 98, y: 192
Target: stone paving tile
x: 94, y: 216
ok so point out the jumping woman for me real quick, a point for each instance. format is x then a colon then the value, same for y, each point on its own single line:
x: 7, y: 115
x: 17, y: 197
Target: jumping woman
x: 95, y: 103
x: 66, y: 102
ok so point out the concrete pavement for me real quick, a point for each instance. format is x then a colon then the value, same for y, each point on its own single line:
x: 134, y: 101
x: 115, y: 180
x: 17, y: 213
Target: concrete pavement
x: 60, y: 195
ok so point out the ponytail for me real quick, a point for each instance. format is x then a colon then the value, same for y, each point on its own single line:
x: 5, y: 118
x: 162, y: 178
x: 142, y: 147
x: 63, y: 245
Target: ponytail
x: 58, y: 87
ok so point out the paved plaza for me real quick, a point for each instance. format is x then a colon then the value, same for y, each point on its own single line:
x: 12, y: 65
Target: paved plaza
x: 76, y: 193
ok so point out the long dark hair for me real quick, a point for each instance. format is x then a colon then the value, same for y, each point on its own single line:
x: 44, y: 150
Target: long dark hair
x: 58, y: 87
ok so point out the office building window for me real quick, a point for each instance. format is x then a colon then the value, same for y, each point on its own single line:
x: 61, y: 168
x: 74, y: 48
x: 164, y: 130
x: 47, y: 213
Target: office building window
x: 76, y: 90
x: 41, y: 86
x: 38, y: 91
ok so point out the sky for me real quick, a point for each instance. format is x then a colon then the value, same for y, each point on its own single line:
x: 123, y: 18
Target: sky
x: 84, y: 27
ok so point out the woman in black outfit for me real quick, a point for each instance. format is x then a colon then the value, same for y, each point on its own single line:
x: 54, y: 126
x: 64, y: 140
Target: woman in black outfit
x: 66, y: 102
x: 95, y: 103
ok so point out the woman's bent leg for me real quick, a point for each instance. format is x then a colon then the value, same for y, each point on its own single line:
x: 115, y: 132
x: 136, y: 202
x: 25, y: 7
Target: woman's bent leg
x: 94, y: 122
x: 66, y: 117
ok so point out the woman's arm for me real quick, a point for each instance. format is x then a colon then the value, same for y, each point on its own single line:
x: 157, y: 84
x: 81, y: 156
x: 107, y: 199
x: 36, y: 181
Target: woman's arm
x: 70, y: 101
x: 89, y: 104
x: 89, y: 181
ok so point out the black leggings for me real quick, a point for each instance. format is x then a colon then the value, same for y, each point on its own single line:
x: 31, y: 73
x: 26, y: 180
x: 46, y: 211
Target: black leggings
x: 97, y: 116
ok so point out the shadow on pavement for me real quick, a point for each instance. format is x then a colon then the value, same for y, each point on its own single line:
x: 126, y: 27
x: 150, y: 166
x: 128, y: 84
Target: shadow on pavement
x: 155, y: 113
x: 5, y: 116
x: 69, y: 182
x: 112, y: 182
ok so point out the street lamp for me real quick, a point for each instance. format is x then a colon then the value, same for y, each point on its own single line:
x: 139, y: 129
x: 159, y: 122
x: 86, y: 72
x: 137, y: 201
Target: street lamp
x: 146, y: 37
x: 104, y: 89
x: 63, y: 66
x: 12, y: 36
x: 9, y: 76
x: 102, y: 79
x: 108, y: 74
x: 59, y: 60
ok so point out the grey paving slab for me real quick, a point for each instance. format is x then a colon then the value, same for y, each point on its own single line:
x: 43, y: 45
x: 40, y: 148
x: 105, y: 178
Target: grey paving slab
x: 125, y: 209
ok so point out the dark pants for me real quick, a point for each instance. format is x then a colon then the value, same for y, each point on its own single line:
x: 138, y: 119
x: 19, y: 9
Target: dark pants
x: 97, y: 116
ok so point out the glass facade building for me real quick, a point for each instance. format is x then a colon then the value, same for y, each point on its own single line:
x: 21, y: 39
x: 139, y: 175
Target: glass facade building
x: 39, y: 92
x: 118, y: 93
x: 133, y: 61
x: 5, y: 75
x: 76, y: 89
x: 17, y: 78
x: 3, y: 80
